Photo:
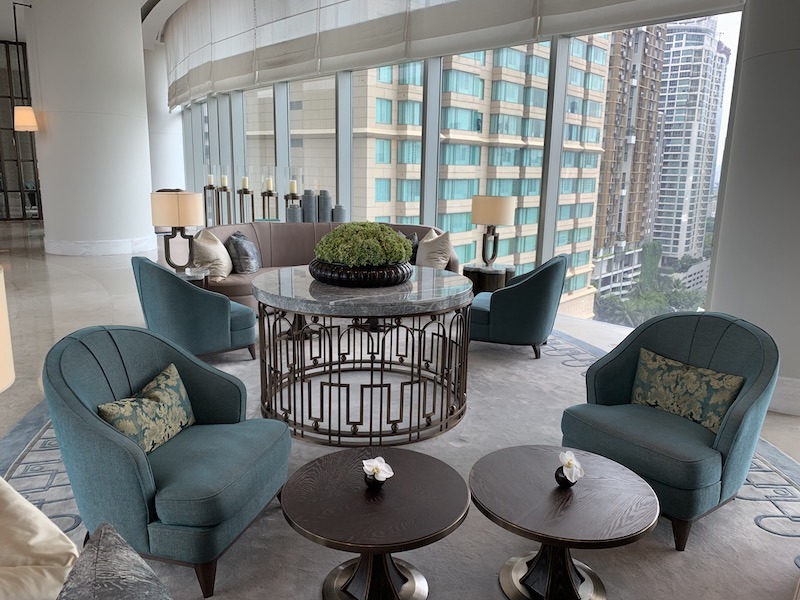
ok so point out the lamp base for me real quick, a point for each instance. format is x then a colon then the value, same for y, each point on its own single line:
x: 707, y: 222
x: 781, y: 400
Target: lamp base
x: 491, y: 231
x: 190, y: 238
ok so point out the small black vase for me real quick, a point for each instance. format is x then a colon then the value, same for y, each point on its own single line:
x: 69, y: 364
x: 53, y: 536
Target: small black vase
x: 373, y: 483
x: 562, y: 480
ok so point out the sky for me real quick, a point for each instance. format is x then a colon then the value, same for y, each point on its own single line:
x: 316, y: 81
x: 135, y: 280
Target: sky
x: 728, y: 32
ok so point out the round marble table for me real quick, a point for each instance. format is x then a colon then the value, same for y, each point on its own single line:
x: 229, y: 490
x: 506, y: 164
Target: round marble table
x: 364, y: 366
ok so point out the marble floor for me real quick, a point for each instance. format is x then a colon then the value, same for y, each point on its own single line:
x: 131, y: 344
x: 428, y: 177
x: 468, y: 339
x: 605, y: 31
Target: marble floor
x: 50, y: 296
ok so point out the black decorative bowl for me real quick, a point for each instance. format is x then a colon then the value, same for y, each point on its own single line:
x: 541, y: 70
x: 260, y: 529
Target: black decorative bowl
x: 362, y: 277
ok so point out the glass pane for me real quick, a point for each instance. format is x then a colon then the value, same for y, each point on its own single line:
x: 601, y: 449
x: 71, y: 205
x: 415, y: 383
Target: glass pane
x: 492, y: 145
x: 313, y: 134
x: 387, y: 144
x: 666, y: 95
x: 580, y: 170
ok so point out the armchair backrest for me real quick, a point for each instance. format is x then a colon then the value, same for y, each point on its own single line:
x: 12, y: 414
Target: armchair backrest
x: 197, y: 319
x: 524, y: 311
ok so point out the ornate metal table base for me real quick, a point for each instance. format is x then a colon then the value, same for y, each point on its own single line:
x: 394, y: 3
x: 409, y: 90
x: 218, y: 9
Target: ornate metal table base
x: 365, y: 380
x: 375, y: 577
x: 550, y: 573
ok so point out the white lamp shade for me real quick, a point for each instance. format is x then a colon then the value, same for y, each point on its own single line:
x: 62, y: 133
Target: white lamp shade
x: 6, y: 356
x: 493, y: 210
x: 25, y: 119
x: 177, y: 209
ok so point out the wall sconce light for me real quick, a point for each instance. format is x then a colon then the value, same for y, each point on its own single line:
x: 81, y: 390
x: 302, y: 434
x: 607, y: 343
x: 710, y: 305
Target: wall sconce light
x: 492, y: 211
x: 177, y: 209
x: 24, y: 117
x: 6, y: 357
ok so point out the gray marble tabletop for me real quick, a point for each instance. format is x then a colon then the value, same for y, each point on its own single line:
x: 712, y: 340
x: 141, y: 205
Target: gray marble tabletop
x: 428, y: 291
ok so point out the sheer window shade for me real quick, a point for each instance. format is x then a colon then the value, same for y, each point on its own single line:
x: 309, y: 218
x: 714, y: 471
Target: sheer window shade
x: 222, y: 45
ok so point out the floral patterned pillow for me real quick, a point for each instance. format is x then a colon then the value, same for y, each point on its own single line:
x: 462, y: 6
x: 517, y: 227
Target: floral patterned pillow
x: 701, y: 395
x: 157, y: 413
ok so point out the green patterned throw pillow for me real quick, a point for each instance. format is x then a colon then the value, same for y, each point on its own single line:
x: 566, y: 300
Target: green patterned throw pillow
x: 701, y: 395
x: 157, y: 413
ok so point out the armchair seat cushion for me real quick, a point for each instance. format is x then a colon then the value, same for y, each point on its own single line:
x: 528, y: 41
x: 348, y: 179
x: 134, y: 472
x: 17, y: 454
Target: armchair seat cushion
x: 479, y: 313
x: 206, y: 473
x: 242, y: 317
x: 656, y: 444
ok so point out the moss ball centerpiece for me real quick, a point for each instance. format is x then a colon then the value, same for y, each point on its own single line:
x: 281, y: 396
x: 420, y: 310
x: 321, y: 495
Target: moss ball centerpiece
x: 362, y: 254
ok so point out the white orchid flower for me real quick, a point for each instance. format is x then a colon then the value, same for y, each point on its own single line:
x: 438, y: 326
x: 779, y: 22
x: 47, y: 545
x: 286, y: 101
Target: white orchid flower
x: 572, y: 468
x: 378, y: 468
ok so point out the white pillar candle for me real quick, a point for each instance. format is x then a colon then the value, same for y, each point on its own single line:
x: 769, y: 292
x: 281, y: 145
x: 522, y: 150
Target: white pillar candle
x: 292, y: 186
x: 245, y: 183
x: 269, y: 184
x: 210, y: 180
x: 224, y: 181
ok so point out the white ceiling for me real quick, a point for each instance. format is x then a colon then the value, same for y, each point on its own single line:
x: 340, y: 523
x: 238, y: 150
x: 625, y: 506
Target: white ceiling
x: 151, y: 28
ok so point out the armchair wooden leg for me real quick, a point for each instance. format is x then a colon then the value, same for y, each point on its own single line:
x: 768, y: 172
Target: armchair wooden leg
x: 537, y: 351
x: 680, y: 531
x: 252, y: 349
x: 206, y: 576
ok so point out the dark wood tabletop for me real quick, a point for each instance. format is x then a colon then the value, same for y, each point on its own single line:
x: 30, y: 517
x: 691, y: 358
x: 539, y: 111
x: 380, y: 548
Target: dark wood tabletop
x: 328, y: 501
x: 609, y: 506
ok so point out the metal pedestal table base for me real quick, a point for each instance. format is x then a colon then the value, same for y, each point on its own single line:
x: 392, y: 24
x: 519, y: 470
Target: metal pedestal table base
x: 530, y: 576
x: 375, y: 577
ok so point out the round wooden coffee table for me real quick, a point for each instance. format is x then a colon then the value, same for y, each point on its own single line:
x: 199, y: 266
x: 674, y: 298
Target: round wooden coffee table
x: 609, y: 506
x: 328, y: 502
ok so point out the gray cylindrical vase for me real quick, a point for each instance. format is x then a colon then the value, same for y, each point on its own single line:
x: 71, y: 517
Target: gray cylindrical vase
x: 294, y: 213
x: 339, y: 214
x: 309, y: 204
x: 325, y: 206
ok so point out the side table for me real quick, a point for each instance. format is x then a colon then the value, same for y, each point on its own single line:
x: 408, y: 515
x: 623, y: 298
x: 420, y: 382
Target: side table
x: 196, y: 275
x: 610, y: 506
x: 328, y: 502
x: 488, y: 279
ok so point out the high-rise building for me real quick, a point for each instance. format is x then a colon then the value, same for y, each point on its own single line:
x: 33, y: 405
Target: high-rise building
x: 691, y: 97
x: 629, y: 173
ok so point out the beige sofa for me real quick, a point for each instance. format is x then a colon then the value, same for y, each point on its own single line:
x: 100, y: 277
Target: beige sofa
x: 287, y: 245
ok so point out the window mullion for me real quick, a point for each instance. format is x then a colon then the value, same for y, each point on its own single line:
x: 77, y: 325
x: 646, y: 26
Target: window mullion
x: 553, y: 143
x: 431, y: 115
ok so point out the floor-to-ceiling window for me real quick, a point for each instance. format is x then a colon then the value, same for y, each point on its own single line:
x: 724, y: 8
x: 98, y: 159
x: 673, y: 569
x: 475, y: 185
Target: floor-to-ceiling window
x: 631, y: 195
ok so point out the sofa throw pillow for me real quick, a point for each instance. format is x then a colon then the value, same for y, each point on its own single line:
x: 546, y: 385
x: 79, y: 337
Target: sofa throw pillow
x: 210, y: 252
x: 155, y: 415
x: 244, y: 253
x: 414, y: 239
x: 434, y: 250
x: 701, y: 395
x: 109, y: 569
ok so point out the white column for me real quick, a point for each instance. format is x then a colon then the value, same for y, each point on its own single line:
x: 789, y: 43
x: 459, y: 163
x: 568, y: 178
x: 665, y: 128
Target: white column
x: 88, y: 88
x: 754, y: 273
x: 166, y: 130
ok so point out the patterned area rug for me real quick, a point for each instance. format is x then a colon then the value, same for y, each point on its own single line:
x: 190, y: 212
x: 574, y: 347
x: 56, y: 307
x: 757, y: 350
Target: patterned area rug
x: 506, y: 389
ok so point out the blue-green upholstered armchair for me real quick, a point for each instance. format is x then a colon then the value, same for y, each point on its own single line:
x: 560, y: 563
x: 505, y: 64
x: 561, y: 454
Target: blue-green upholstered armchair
x: 187, y: 500
x: 692, y: 469
x: 200, y: 320
x: 523, y: 312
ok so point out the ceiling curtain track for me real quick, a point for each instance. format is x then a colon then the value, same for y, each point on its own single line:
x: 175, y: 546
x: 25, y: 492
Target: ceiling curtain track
x: 224, y: 45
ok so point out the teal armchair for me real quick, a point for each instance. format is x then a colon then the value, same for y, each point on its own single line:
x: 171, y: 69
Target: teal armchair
x: 692, y: 469
x: 200, y: 320
x: 523, y: 312
x: 188, y: 500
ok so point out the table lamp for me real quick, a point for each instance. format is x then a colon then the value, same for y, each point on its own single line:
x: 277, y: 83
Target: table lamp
x: 6, y: 356
x: 492, y: 211
x: 177, y: 209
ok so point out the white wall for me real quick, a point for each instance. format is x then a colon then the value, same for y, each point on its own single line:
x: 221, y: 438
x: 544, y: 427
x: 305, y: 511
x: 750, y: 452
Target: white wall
x: 88, y: 88
x: 754, y: 271
x: 166, y: 131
